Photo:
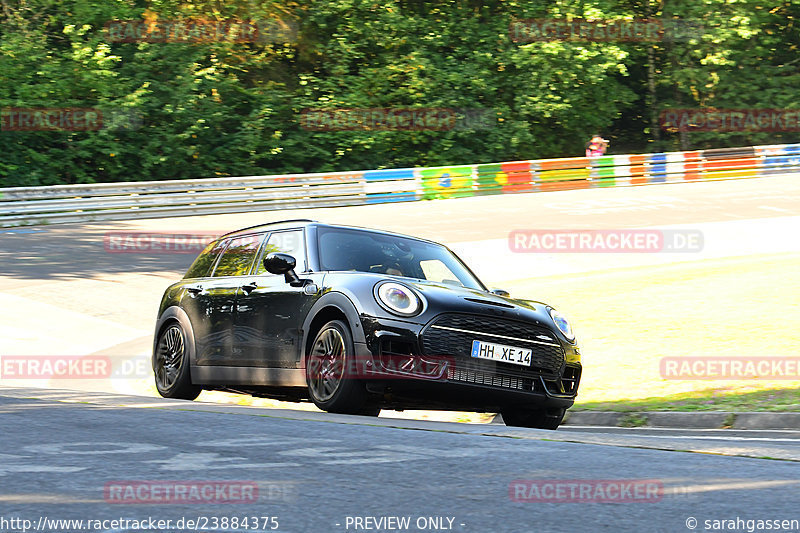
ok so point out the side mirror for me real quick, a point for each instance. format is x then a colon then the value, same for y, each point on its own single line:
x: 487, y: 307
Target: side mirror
x: 278, y: 263
x: 501, y: 292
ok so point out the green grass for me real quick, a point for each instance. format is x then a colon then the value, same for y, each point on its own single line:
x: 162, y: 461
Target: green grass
x: 706, y: 400
x: 633, y: 421
x: 628, y: 319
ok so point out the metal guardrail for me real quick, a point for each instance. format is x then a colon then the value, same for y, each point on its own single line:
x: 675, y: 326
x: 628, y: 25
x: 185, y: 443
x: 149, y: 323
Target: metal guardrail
x: 119, y: 201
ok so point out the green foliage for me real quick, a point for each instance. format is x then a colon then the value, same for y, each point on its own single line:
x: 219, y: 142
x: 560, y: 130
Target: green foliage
x: 633, y: 420
x: 192, y: 110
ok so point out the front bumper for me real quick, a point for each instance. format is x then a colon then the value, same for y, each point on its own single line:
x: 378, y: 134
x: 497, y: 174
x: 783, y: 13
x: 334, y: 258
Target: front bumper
x: 399, y: 369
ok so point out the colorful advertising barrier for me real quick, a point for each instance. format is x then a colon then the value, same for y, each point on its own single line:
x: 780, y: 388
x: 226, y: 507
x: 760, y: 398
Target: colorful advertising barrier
x: 117, y: 201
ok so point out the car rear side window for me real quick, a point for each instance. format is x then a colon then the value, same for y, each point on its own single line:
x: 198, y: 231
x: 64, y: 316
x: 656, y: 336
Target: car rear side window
x: 288, y: 242
x: 238, y: 257
x: 202, y: 265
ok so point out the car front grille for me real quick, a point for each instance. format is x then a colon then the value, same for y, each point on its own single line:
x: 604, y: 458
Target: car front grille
x: 565, y: 386
x: 488, y: 378
x: 452, y: 334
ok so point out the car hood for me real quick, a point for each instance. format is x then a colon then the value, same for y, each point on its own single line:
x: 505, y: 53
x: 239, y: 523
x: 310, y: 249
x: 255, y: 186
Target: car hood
x: 449, y: 298
x: 479, y: 300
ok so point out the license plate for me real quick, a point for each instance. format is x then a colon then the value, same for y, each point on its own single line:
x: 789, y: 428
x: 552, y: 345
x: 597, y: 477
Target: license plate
x: 502, y: 353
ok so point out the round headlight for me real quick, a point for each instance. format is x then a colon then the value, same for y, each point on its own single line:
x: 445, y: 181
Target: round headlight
x: 399, y: 299
x: 562, y: 324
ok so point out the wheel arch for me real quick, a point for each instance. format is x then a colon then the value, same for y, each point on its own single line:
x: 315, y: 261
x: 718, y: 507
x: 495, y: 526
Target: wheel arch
x: 332, y: 306
x: 176, y: 314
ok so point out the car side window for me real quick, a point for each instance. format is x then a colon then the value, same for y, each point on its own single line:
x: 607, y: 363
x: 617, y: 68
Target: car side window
x: 290, y: 242
x: 238, y: 257
x: 202, y: 265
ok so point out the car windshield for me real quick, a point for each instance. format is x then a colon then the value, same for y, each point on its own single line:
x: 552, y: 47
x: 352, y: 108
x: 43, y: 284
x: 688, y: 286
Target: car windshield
x: 343, y: 249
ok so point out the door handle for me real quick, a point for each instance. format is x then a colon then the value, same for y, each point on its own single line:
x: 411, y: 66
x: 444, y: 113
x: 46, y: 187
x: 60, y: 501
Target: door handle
x: 250, y: 287
x: 195, y: 290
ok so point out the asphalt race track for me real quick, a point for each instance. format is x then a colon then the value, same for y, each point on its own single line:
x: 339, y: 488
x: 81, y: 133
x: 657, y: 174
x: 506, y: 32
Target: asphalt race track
x: 315, y: 472
x: 65, y: 452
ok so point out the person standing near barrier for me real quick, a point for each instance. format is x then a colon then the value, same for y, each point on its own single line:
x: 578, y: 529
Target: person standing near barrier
x: 597, y: 146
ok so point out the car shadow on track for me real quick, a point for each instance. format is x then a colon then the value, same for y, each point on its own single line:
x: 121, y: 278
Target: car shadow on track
x: 77, y: 251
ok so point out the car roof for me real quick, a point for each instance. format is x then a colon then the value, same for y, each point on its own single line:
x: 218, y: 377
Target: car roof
x: 305, y: 222
x: 269, y: 226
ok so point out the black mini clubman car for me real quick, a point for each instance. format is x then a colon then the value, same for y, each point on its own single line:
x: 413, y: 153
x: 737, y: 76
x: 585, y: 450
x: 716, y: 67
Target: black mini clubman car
x: 357, y: 320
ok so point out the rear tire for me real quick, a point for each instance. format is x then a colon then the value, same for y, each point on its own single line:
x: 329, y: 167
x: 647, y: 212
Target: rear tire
x: 327, y: 365
x: 171, y: 364
x: 534, y: 418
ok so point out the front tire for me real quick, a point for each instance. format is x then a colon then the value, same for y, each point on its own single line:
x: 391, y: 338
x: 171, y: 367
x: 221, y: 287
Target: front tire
x: 534, y: 418
x: 171, y: 364
x: 329, y: 386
